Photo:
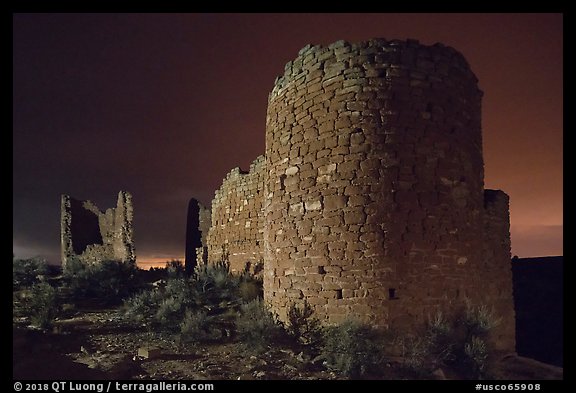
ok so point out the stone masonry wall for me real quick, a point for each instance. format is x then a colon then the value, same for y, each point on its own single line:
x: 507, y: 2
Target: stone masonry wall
x: 369, y: 202
x: 374, y: 190
x: 205, y: 218
x: 496, y: 270
x: 236, y: 233
x: 94, y: 236
x: 197, y: 226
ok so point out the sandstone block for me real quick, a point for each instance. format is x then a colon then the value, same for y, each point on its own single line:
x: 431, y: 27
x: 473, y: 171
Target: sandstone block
x: 354, y: 217
x: 313, y: 205
x: 335, y: 202
x: 292, y: 170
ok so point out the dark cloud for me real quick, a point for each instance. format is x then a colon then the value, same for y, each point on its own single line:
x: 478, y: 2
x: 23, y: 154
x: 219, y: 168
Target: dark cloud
x: 164, y: 105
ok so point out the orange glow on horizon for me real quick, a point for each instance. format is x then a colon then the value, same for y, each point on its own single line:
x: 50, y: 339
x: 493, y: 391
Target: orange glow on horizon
x: 146, y: 263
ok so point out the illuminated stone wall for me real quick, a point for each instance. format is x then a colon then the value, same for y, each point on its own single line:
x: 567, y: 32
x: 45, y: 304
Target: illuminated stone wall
x: 94, y: 236
x: 236, y: 233
x: 369, y: 201
x: 375, y: 199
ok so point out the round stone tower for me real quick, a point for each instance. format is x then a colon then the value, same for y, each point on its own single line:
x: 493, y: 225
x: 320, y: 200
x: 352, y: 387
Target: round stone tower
x: 374, y: 190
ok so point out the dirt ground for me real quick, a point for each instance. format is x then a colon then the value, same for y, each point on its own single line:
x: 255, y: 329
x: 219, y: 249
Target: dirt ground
x: 97, y: 344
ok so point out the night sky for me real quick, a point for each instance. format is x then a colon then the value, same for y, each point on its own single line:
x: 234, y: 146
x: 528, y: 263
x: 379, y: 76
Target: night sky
x: 164, y: 105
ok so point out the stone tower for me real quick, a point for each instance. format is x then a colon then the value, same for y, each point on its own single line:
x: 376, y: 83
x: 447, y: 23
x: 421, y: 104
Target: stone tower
x: 197, y: 226
x: 374, y: 203
x: 94, y: 236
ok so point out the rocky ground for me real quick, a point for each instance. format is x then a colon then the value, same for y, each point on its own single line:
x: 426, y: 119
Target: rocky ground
x: 98, y: 344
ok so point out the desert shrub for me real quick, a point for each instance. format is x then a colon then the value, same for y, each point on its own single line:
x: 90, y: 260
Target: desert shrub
x: 460, y: 343
x: 440, y: 340
x: 106, y: 280
x: 250, y: 285
x: 476, y: 354
x: 257, y: 327
x: 162, y: 307
x: 250, y: 290
x: 26, y: 272
x: 42, y: 306
x: 175, y: 269
x: 424, y: 353
x: 214, y: 284
x: 173, y: 302
x: 415, y: 352
x: 471, y: 355
x: 352, y: 349
x: 302, y: 325
x: 479, y: 321
x: 211, y: 295
x: 143, y: 306
x: 197, y: 326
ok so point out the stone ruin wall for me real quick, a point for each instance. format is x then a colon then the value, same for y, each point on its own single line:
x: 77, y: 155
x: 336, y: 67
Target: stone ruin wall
x: 94, y: 236
x: 236, y: 233
x: 497, y: 270
x: 197, y: 227
x: 205, y: 222
x: 373, y: 203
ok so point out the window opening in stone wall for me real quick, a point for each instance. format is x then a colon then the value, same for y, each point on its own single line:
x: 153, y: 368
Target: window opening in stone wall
x: 338, y: 294
x: 282, y: 178
x: 321, y: 270
x: 392, y: 294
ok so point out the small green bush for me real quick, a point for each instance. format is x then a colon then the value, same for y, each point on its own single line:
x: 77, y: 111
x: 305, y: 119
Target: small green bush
x: 42, y: 305
x: 257, y: 327
x: 175, y: 269
x: 107, y: 280
x: 212, y: 291
x: 197, y: 327
x: 173, y: 302
x: 415, y: 352
x: 302, y: 325
x: 479, y: 321
x: 352, y: 349
x: 440, y: 340
x: 141, y: 308
x: 424, y: 353
x: 26, y: 272
x: 217, y: 287
x: 476, y: 357
x: 250, y: 290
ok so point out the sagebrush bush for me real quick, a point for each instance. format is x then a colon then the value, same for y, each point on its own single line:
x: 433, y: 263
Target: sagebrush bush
x: 424, y: 353
x: 414, y: 351
x: 106, y: 280
x: 26, y: 272
x: 250, y: 290
x: 476, y: 353
x: 212, y: 295
x: 352, y: 349
x: 479, y: 321
x: 197, y: 326
x: 42, y: 305
x: 175, y: 269
x: 440, y: 340
x: 257, y: 327
x: 141, y: 308
x: 302, y: 325
x: 171, y: 303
